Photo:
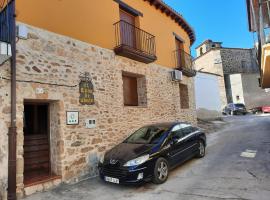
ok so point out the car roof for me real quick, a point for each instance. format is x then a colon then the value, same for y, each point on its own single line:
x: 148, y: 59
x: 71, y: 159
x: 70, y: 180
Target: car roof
x: 167, y: 124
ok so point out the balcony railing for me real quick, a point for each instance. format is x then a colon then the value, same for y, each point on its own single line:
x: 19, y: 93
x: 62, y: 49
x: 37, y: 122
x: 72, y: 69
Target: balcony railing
x: 134, y: 43
x: 184, y: 62
x: 6, y: 21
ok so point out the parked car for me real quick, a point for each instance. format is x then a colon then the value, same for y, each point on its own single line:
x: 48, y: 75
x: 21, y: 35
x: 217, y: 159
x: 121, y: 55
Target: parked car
x: 235, y: 109
x: 151, y: 152
x: 261, y: 109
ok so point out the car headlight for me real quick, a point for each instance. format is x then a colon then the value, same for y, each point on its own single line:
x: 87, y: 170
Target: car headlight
x: 101, y: 159
x: 137, y: 161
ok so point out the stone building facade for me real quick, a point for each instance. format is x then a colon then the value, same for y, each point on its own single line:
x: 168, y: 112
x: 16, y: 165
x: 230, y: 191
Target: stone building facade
x: 238, y: 73
x: 48, y: 69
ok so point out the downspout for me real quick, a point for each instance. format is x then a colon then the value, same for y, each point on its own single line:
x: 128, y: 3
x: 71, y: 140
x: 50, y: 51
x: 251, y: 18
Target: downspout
x: 261, y: 24
x: 255, y: 24
x: 12, y: 133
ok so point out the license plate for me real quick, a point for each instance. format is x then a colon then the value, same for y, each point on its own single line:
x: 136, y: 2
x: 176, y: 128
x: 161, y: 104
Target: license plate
x: 112, y: 180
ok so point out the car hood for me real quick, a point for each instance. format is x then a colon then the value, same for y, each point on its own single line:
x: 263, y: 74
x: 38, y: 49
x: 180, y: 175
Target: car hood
x: 126, y: 151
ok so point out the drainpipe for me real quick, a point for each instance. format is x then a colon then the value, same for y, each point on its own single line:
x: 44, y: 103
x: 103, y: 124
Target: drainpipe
x: 12, y: 133
x: 261, y: 24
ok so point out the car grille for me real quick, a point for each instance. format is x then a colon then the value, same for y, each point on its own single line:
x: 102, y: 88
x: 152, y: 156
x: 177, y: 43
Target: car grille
x: 114, y: 172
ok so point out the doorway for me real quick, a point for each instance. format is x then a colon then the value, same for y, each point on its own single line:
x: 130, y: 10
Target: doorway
x: 128, y: 30
x: 37, y: 166
x: 180, y: 54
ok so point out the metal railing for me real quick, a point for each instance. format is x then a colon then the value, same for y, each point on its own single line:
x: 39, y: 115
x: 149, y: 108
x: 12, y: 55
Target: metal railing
x: 131, y: 36
x: 183, y: 59
x: 6, y: 21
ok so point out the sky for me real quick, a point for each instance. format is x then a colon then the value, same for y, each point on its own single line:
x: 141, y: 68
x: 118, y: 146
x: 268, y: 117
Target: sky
x: 220, y: 20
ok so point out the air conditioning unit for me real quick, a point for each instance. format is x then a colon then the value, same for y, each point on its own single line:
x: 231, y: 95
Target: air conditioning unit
x: 177, y: 75
x: 22, y: 31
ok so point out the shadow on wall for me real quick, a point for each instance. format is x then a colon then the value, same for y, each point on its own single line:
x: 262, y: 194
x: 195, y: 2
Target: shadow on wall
x: 3, y: 189
x: 3, y: 180
x: 205, y: 114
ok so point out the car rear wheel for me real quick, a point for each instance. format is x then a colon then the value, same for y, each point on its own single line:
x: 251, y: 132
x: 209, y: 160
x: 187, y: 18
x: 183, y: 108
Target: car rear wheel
x: 201, y: 152
x: 161, y: 171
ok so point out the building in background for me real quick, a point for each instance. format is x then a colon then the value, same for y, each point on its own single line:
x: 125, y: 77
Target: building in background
x: 259, y: 22
x: 88, y: 75
x: 237, y: 73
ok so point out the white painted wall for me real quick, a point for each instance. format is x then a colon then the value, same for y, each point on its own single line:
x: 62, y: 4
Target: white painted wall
x: 208, y: 102
x: 237, y: 88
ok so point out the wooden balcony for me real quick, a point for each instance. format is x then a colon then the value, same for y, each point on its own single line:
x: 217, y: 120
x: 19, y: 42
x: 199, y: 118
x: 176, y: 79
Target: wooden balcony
x: 134, y: 43
x: 184, y: 63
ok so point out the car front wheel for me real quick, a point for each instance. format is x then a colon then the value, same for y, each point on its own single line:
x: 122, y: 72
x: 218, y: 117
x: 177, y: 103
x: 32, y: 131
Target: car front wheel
x: 161, y: 171
x: 201, y: 152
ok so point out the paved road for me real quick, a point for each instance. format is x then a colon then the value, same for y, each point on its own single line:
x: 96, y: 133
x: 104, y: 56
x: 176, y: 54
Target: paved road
x: 222, y: 174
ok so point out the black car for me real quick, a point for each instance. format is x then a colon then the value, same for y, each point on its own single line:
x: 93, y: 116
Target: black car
x: 235, y: 109
x: 150, y: 152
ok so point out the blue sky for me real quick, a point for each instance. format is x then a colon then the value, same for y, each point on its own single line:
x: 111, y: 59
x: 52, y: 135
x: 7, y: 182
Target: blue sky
x: 220, y: 20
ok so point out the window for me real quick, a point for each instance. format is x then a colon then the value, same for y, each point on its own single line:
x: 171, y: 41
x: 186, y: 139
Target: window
x: 201, y: 51
x: 184, y: 97
x: 182, y: 130
x: 244, y: 65
x: 134, y: 89
x: 147, y: 135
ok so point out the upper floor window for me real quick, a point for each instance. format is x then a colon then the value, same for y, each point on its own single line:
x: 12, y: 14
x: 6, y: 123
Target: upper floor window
x: 201, y: 51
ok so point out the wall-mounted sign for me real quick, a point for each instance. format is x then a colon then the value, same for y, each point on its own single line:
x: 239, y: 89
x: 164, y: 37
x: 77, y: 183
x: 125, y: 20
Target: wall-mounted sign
x: 40, y: 91
x: 86, y: 90
x: 90, y: 123
x: 72, y: 117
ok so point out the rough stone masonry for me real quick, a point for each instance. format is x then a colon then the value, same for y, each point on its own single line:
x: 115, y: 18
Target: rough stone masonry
x: 53, y: 63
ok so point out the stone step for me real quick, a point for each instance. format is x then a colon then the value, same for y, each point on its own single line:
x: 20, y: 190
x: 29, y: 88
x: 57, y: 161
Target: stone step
x: 43, y: 185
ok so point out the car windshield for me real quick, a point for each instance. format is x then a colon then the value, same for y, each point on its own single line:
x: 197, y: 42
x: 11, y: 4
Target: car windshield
x: 147, y: 135
x: 239, y: 105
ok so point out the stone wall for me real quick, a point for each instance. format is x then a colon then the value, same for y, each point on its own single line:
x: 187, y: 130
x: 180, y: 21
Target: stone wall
x: 4, y: 124
x: 53, y: 63
x: 238, y: 60
x: 254, y: 95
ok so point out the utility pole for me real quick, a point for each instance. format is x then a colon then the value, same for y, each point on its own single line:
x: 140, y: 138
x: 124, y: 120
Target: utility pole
x: 12, y: 133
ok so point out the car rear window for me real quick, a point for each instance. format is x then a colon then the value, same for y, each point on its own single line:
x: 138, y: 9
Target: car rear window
x: 239, y: 105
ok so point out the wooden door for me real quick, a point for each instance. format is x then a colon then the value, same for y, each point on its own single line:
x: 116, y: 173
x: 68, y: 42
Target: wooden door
x: 180, y: 55
x: 36, y: 142
x: 130, y: 91
x: 128, y: 30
